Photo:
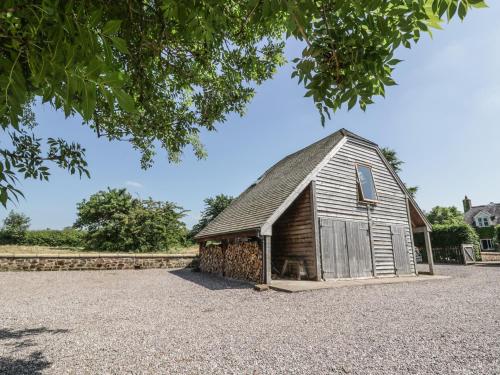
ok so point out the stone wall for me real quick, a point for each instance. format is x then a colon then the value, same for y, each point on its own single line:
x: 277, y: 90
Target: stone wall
x: 490, y: 256
x: 93, y: 262
x: 241, y: 261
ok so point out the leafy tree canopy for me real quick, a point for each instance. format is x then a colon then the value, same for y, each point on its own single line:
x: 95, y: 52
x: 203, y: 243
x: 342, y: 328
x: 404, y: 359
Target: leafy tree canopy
x: 115, y: 221
x: 213, y: 207
x: 157, y: 72
x: 446, y: 216
x: 392, y: 158
x: 17, y: 222
x: 15, y: 225
x: 396, y: 163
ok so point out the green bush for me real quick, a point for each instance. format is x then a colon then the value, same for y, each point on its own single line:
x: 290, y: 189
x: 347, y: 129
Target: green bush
x: 496, y: 237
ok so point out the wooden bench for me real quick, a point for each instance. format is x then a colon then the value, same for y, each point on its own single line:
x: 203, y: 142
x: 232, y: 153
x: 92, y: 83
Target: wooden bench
x: 300, y: 266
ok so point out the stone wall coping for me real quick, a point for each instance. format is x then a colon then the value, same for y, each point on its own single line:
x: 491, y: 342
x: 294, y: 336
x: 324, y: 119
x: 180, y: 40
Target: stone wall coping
x: 497, y: 253
x: 99, y: 255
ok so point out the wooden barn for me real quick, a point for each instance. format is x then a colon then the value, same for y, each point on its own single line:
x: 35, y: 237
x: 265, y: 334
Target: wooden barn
x: 335, y: 209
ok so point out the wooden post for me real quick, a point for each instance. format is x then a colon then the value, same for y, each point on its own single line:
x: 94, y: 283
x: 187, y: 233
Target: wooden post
x: 266, y: 244
x: 428, y: 247
x: 315, y: 228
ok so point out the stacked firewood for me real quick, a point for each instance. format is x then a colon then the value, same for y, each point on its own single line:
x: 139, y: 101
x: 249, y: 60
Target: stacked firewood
x: 244, y: 261
x: 211, y: 259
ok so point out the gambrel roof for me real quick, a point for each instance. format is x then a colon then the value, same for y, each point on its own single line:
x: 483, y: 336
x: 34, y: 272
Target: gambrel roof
x: 263, y: 202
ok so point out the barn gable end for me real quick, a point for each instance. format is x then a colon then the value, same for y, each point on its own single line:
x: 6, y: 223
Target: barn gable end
x: 337, y: 198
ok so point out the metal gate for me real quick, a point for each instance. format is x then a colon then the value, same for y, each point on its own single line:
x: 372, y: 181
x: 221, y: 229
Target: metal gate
x: 400, y: 250
x: 345, y: 248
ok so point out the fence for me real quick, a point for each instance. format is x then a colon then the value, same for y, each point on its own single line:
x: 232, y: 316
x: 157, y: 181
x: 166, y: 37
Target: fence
x: 462, y: 254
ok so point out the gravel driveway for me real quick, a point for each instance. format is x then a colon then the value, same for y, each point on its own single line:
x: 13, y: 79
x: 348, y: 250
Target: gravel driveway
x: 180, y: 322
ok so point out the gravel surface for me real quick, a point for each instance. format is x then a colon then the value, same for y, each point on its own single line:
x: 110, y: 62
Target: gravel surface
x: 181, y: 322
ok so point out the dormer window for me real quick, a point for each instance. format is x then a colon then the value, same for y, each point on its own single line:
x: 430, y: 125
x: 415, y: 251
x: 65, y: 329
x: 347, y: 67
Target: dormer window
x: 483, y: 221
x: 366, y: 184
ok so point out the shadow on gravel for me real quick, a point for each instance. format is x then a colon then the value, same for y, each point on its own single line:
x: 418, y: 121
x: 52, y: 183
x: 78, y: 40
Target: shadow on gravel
x: 33, y: 363
x: 209, y: 281
x: 8, y: 334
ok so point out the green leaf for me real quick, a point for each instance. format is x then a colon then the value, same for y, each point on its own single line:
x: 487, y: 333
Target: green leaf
x: 452, y: 9
x: 462, y: 10
x: 88, y: 100
x: 394, y: 62
x: 111, y: 27
x: 119, y: 44
x: 352, y: 102
x: 124, y: 100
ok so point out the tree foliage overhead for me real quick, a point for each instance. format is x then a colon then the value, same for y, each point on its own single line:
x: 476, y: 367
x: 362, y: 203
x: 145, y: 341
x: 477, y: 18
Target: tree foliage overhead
x: 213, y: 207
x: 115, y: 221
x: 446, y: 216
x: 158, y: 71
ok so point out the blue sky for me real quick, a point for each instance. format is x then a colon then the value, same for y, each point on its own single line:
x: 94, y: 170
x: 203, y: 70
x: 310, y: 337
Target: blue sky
x: 442, y: 119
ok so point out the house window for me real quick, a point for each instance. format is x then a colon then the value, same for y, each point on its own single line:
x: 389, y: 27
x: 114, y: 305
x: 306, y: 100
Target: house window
x: 483, y: 222
x: 367, y: 189
x: 487, y: 244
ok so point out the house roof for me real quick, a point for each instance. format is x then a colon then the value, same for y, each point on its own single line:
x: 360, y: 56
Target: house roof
x: 264, y: 199
x: 493, y: 209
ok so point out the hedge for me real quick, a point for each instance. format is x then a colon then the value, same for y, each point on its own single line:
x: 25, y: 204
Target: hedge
x: 497, y: 237
x: 46, y: 237
x: 486, y: 232
x: 446, y: 236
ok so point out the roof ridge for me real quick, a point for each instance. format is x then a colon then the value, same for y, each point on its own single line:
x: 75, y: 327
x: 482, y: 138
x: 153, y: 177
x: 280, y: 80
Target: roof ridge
x: 486, y: 205
x: 259, y: 201
x: 297, y: 152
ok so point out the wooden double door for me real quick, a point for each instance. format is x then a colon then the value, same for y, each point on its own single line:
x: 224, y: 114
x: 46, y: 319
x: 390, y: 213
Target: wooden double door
x: 346, y: 249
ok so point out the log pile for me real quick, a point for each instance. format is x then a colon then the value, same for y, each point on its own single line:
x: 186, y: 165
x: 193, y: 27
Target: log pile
x: 244, y: 261
x: 241, y: 261
x: 211, y: 259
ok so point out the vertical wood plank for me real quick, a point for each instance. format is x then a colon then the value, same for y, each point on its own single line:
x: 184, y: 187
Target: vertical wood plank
x: 372, y: 246
x: 399, y: 247
x: 358, y: 248
x: 326, y: 236
x: 340, y: 250
x: 293, y: 235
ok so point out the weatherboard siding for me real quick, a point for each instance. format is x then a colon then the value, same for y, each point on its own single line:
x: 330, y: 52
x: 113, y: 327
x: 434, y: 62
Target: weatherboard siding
x: 293, y: 234
x: 337, y: 197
